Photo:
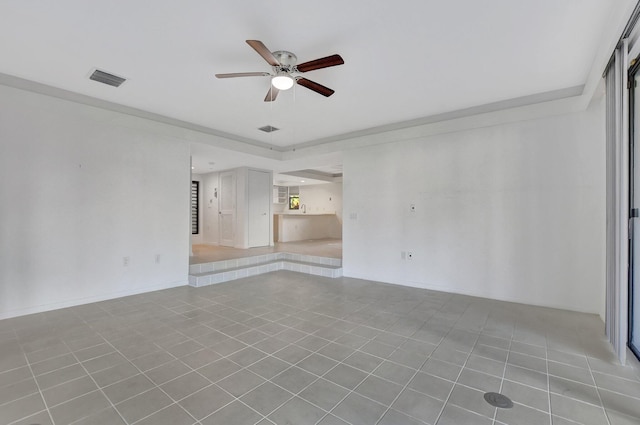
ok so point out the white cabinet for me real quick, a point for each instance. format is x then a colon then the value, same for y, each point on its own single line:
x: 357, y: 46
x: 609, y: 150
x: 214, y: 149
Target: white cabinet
x: 280, y: 194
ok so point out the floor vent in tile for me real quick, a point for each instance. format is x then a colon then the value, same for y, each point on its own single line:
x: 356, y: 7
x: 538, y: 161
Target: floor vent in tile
x: 498, y: 400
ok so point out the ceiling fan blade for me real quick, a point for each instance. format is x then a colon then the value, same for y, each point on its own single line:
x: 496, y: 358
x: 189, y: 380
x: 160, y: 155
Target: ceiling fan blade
x: 318, y: 88
x: 262, y: 50
x: 271, y: 94
x: 243, y: 74
x: 332, y: 60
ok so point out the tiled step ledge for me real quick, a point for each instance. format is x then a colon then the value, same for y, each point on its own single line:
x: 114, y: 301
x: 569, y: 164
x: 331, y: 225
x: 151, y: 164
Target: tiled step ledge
x: 226, y: 275
x: 262, y: 259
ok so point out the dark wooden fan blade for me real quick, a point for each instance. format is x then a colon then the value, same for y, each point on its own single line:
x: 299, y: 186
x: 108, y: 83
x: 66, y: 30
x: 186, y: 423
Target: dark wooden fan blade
x: 318, y: 88
x: 271, y: 94
x: 332, y: 60
x: 262, y: 50
x: 243, y: 74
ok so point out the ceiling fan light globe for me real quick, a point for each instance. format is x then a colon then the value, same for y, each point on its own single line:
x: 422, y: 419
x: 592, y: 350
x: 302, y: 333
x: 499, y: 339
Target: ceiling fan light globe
x: 282, y: 82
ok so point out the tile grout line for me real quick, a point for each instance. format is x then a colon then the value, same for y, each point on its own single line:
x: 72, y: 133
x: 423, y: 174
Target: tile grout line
x: 368, y: 374
x: 606, y: 414
x: 317, y: 351
x: 338, y: 363
x: 407, y: 385
x: 270, y: 379
x: 95, y: 383
x: 352, y: 390
x: 38, y: 386
x: 164, y: 392
x: 108, y: 342
x: 246, y: 367
x: 460, y: 373
x: 318, y: 377
x: 418, y: 371
x: 504, y: 372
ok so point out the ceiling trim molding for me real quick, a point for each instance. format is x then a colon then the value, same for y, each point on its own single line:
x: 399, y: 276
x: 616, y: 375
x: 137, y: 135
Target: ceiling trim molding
x: 555, y: 102
x: 446, y: 116
x: 44, y: 89
x: 452, y: 125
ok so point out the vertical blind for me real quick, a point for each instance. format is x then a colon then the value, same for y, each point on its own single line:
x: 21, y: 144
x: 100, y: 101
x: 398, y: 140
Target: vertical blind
x: 195, y: 211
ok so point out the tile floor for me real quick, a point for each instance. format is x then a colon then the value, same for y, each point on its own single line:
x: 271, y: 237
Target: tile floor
x: 320, y: 247
x: 286, y: 348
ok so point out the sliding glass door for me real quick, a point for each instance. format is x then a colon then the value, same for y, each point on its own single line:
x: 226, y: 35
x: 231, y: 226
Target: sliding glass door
x: 634, y: 208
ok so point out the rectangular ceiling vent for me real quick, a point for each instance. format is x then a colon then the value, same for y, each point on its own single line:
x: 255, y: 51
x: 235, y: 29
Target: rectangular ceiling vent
x: 106, y: 78
x: 268, y: 129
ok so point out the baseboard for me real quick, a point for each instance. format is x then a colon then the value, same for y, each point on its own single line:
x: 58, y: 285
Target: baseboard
x: 87, y: 300
x: 478, y: 294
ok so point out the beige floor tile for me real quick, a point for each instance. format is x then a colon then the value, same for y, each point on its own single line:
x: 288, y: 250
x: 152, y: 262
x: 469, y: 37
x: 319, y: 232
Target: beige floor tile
x: 206, y: 401
x: 143, y: 405
x: 418, y: 406
x: 79, y: 408
x: 236, y: 413
x: 266, y: 398
x: 172, y: 415
x: 21, y: 408
x: 367, y: 341
x: 297, y: 411
x: 185, y: 385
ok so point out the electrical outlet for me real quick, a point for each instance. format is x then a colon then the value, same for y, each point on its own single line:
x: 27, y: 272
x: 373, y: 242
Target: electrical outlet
x: 409, y: 255
x: 126, y: 261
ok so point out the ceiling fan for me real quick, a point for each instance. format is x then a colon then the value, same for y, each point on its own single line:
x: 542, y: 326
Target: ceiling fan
x: 284, y: 70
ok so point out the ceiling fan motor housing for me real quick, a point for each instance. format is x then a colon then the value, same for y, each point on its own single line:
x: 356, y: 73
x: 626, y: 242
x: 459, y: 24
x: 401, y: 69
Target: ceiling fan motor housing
x: 287, y: 60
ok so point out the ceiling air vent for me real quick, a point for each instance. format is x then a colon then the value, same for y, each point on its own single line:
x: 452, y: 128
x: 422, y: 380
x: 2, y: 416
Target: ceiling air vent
x: 268, y: 129
x: 106, y: 78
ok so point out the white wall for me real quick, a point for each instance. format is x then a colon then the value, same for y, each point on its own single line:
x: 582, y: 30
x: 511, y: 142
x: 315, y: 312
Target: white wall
x: 79, y: 192
x: 324, y: 198
x: 210, y: 208
x: 511, y: 212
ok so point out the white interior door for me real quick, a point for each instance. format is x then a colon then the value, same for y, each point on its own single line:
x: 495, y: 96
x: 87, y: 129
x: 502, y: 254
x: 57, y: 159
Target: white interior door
x: 260, y: 192
x: 227, y: 208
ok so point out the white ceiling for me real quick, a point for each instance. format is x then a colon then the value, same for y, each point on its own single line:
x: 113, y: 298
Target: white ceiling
x: 404, y: 60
